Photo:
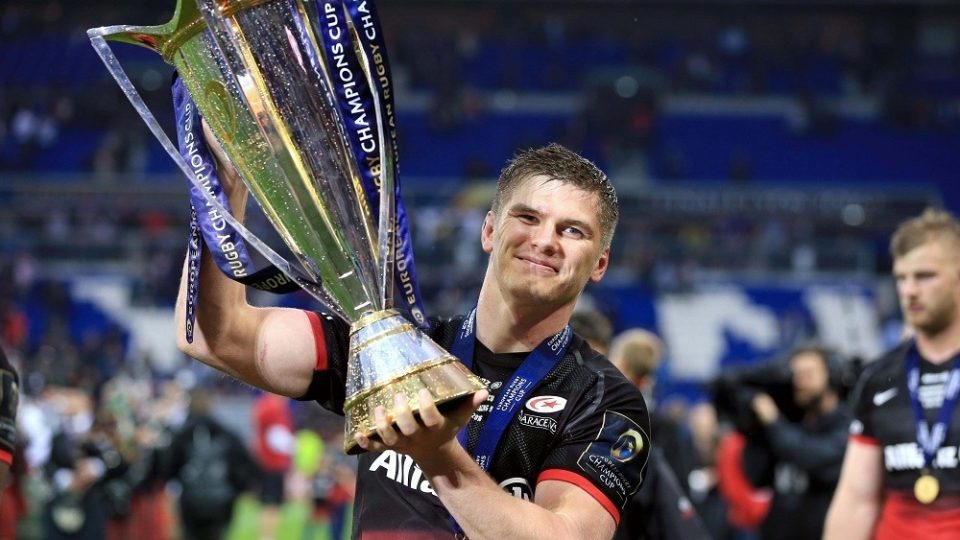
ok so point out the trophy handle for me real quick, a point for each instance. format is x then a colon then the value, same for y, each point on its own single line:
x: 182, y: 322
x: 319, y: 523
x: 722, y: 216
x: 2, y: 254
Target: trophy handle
x: 162, y: 39
x: 97, y: 38
x: 386, y: 230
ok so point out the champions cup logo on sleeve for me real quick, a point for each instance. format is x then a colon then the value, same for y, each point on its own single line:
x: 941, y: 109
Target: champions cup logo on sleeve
x: 610, y: 459
x: 627, y: 446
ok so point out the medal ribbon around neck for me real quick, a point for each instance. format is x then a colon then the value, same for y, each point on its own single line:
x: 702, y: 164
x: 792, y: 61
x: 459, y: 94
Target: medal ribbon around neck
x: 930, y: 438
x: 513, y: 394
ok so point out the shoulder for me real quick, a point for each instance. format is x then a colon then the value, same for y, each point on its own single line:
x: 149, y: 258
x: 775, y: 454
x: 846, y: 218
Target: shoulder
x: 605, y: 387
x: 879, y: 376
x: 887, y: 368
x: 599, y: 367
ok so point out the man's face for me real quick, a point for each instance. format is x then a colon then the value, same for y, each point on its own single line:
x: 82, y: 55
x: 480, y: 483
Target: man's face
x: 810, y: 378
x: 928, y: 281
x: 546, y: 243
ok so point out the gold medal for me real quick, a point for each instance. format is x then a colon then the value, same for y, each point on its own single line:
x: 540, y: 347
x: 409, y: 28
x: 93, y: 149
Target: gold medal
x: 926, y: 488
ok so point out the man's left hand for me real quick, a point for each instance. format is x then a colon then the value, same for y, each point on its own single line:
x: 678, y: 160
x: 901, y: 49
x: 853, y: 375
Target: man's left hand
x: 422, y: 438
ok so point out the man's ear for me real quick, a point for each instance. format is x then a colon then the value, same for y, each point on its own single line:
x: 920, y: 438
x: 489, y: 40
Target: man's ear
x: 486, y: 233
x: 602, y: 264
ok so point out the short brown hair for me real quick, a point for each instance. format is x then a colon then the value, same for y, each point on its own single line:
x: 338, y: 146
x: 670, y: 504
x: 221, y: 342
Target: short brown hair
x: 638, y: 351
x: 592, y: 325
x: 932, y: 224
x: 565, y: 166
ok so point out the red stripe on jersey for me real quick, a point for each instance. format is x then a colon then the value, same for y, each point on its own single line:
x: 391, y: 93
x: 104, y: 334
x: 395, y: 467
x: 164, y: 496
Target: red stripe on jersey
x: 904, y: 517
x: 6, y: 457
x: 863, y: 439
x: 584, y: 484
x: 319, y: 341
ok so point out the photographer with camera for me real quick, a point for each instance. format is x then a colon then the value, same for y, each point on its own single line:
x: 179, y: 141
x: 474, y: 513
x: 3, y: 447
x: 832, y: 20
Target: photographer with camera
x: 796, y: 446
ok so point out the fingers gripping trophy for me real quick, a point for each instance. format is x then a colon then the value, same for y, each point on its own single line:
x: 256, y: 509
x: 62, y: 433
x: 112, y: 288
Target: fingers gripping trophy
x: 297, y: 94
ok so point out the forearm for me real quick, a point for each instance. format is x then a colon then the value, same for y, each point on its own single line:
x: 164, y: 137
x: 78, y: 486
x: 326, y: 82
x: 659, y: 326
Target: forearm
x: 229, y: 334
x: 220, y: 298
x: 485, y: 511
x: 851, y: 518
x: 219, y: 340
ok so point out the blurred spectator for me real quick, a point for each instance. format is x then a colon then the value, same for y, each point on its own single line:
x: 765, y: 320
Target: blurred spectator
x: 593, y: 327
x: 212, y: 466
x: 660, y: 509
x: 273, y: 447
x: 87, y: 471
x: 703, y: 479
x: 332, y: 484
x: 803, y: 456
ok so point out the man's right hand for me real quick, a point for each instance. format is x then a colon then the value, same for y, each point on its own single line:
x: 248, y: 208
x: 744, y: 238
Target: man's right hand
x: 227, y: 173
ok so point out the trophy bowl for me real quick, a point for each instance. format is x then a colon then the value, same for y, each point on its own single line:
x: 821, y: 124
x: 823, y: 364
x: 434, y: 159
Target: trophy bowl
x: 265, y: 81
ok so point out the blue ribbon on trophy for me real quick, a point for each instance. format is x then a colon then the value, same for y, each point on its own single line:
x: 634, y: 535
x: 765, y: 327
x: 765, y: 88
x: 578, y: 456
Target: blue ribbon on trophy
x: 207, y: 226
x: 356, y: 106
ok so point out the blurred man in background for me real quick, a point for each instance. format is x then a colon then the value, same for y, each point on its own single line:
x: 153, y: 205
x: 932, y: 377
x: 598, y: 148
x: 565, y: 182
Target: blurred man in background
x: 661, y: 509
x: 594, y: 327
x: 213, y: 467
x: 804, y: 455
x: 900, y: 474
x: 638, y: 353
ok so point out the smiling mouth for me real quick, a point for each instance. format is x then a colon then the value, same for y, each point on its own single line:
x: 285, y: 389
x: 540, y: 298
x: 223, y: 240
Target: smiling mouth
x: 542, y: 266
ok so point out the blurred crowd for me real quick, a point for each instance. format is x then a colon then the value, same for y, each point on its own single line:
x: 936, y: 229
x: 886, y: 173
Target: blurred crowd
x: 899, y: 61
x: 160, y: 459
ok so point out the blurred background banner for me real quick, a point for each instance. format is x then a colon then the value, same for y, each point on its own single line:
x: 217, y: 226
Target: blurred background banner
x: 763, y: 150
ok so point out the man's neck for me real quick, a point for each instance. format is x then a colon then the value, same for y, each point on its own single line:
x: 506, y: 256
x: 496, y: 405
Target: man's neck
x: 504, y: 326
x: 942, y: 346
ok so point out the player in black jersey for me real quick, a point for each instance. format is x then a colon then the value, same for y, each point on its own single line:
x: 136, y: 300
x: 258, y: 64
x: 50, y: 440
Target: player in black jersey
x: 900, y: 474
x: 9, y: 394
x: 571, y: 453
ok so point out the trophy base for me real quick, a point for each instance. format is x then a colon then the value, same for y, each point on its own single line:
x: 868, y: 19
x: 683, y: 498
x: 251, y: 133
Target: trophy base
x: 390, y: 357
x: 448, y: 382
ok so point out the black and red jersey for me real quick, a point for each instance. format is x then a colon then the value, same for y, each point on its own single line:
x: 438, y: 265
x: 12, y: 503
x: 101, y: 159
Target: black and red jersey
x: 9, y: 397
x: 572, y: 428
x: 884, y: 417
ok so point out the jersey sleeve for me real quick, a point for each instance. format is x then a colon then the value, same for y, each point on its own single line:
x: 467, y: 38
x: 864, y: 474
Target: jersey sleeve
x: 9, y: 397
x: 862, y: 428
x: 332, y: 340
x: 605, y: 445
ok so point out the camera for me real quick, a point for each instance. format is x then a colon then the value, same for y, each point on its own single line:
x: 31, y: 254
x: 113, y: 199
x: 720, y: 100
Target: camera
x: 735, y: 389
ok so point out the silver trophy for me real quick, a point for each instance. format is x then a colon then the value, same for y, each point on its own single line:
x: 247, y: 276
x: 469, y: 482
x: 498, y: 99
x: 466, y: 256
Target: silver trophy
x: 257, y: 72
